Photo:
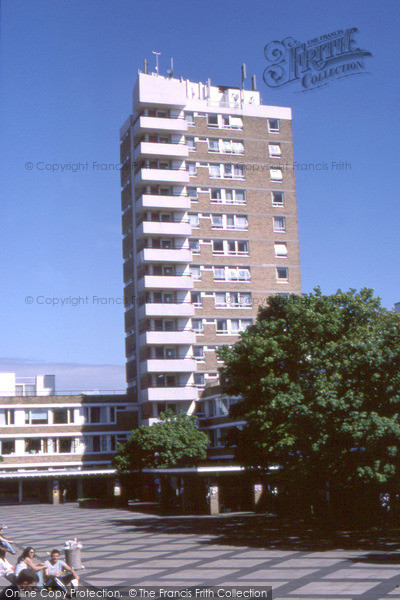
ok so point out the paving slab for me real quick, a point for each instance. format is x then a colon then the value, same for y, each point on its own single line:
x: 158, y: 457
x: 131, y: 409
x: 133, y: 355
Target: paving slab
x: 122, y: 547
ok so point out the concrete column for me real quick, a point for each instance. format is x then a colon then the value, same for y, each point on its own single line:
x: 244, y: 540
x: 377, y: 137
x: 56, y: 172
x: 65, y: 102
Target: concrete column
x: 56, y: 492
x: 79, y: 488
x: 257, y: 493
x: 20, y: 491
x: 213, y: 497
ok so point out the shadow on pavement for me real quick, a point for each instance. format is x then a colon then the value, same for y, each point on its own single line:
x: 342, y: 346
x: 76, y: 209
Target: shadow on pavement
x: 264, y: 531
x: 387, y: 558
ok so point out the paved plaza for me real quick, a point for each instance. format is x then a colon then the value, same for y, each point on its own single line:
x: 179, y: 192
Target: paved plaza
x: 122, y: 547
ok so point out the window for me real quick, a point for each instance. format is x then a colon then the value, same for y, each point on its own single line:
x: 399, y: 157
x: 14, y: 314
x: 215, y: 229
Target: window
x: 280, y: 249
x: 279, y: 224
x: 197, y: 325
x: 235, y: 326
x: 191, y: 143
x: 238, y: 171
x: 95, y: 414
x: 274, y: 150
x: 218, y: 247
x: 212, y: 120
x: 199, y: 379
x: 198, y: 352
x: 65, y: 445
x: 7, y: 447
x: 239, y: 300
x: 219, y: 272
x: 237, y: 274
x: 6, y: 416
x: 237, y: 147
x: 220, y: 299
x: 60, y: 416
x: 194, y: 246
x: 228, y: 196
x: 189, y: 116
x: 217, y: 221
x: 240, y: 196
x: 244, y: 323
x: 273, y: 125
x: 195, y: 272
x: 236, y: 123
x: 276, y: 174
x: 277, y: 198
x: 32, y: 446
x: 194, y: 220
x: 228, y: 171
x: 36, y: 416
x: 192, y: 193
x: 215, y: 194
x: 214, y: 171
x: 191, y: 168
x: 222, y: 326
x: 282, y: 273
x: 164, y: 381
x: 230, y: 247
x: 239, y: 221
x: 195, y: 298
x: 242, y: 247
x: 213, y: 145
x: 169, y: 353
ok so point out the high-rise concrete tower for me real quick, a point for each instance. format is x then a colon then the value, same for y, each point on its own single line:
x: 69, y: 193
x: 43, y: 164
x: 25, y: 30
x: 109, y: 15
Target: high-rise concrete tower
x: 209, y: 230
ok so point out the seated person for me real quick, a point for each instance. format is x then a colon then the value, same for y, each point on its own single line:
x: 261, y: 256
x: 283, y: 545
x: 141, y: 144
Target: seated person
x: 54, y: 567
x: 6, y: 568
x: 4, y: 542
x: 25, y: 561
x: 25, y: 581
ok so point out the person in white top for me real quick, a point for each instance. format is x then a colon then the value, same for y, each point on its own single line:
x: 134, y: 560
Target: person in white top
x: 25, y: 561
x: 54, y: 568
x: 6, y: 568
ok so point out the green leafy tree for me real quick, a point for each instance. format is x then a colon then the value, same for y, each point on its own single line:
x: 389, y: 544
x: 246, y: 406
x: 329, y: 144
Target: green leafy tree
x: 319, y: 378
x: 174, y: 441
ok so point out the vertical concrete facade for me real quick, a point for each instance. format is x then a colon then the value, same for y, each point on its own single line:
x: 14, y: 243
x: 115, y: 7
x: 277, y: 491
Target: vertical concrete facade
x: 209, y: 221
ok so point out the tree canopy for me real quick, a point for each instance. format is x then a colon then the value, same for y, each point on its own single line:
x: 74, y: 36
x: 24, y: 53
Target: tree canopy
x: 174, y: 441
x: 319, y: 378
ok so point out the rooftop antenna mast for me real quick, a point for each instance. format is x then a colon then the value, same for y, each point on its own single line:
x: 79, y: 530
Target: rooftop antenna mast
x: 171, y: 70
x: 244, y: 74
x: 157, y: 55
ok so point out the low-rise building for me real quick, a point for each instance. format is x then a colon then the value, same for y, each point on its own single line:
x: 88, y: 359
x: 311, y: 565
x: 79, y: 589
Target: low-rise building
x: 61, y: 447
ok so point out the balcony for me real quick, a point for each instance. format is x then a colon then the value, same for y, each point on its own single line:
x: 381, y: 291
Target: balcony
x: 184, y: 337
x: 160, y: 176
x: 146, y: 124
x: 178, y: 255
x: 182, y: 309
x: 166, y: 394
x: 171, y: 365
x: 163, y: 202
x: 165, y: 282
x: 152, y: 149
x: 165, y: 228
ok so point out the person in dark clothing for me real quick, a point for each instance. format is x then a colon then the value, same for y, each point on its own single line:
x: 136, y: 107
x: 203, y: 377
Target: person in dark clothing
x: 26, y: 580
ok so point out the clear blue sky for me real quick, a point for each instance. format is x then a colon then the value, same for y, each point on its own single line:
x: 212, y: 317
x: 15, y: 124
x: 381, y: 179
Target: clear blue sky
x: 68, y: 68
